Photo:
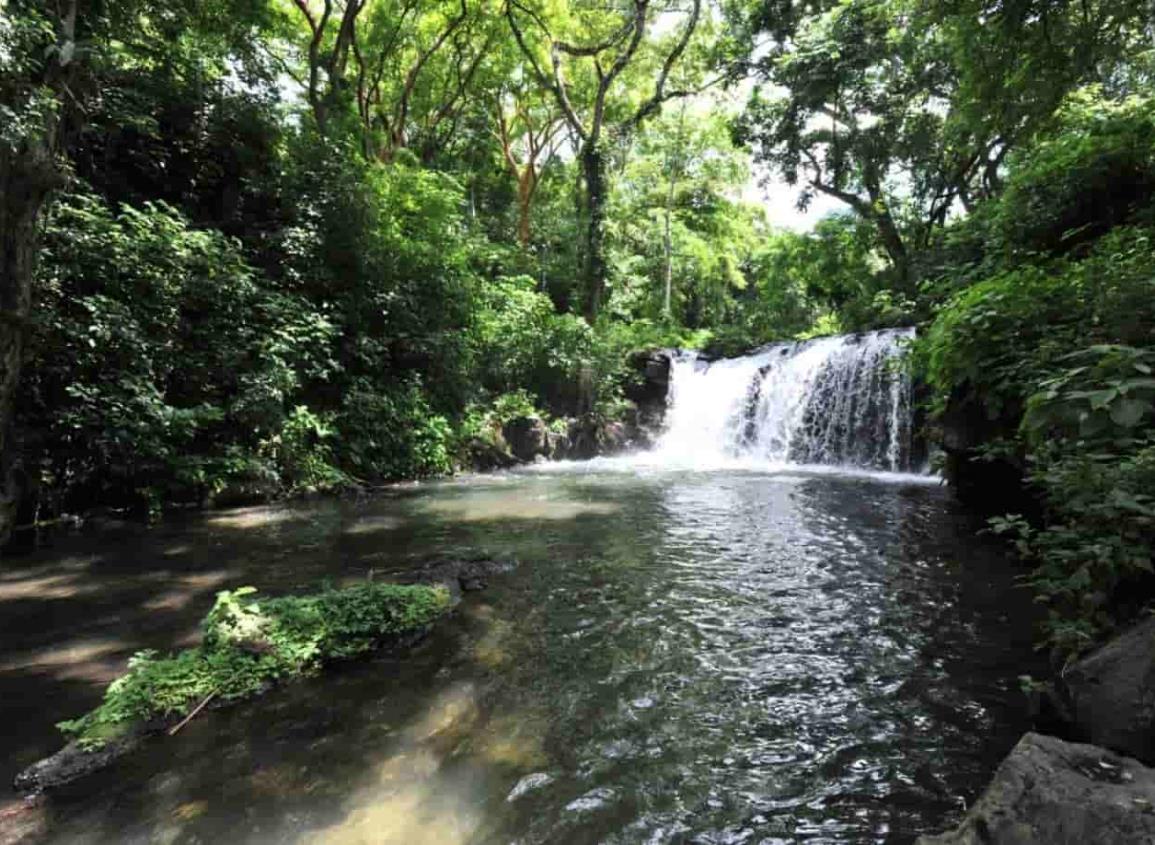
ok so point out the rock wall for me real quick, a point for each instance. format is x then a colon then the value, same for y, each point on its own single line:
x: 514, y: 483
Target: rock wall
x: 990, y: 485
x: 1051, y: 792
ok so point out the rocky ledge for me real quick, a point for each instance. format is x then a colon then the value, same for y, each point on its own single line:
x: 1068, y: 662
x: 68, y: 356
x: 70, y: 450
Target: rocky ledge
x: 1052, y: 792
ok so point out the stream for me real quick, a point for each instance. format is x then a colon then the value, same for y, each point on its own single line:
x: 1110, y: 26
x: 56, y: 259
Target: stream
x: 675, y: 656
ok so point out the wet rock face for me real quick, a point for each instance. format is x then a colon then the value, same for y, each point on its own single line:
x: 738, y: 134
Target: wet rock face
x: 488, y: 455
x: 527, y: 437
x: 1051, y: 792
x: 1110, y: 694
x: 989, y: 485
x: 589, y: 437
x: 653, y: 384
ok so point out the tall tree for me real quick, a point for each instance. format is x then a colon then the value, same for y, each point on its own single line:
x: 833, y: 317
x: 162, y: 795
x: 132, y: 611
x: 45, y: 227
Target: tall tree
x: 528, y: 135
x: 402, y: 69
x: 905, y: 110
x: 593, y: 82
x: 56, y: 59
x: 39, y: 58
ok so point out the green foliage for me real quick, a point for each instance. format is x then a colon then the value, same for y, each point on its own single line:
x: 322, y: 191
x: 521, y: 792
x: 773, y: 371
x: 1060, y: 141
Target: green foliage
x: 1096, y: 171
x: 1106, y: 395
x: 394, y: 434
x: 250, y: 643
x: 1057, y: 346
x: 1002, y: 337
x: 522, y: 343
x: 151, y: 377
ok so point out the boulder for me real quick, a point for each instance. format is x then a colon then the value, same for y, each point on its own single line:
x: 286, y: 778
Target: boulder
x: 652, y: 384
x: 589, y: 436
x: 558, y: 444
x: 1110, y: 694
x: 490, y: 453
x: 527, y: 437
x: 1051, y: 792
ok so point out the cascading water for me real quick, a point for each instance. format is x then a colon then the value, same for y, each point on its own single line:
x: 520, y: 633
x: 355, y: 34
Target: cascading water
x: 833, y: 400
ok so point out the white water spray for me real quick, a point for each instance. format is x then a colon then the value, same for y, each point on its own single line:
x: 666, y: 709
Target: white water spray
x: 838, y: 401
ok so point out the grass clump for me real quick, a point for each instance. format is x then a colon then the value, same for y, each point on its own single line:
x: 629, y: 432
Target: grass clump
x: 250, y: 644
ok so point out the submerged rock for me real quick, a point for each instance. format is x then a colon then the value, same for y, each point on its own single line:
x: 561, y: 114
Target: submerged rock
x: 23, y: 821
x: 527, y: 784
x: 73, y: 762
x: 1110, y: 694
x: 459, y: 575
x: 1051, y: 792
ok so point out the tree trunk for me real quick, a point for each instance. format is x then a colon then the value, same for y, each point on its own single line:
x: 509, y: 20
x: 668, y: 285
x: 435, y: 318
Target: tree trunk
x: 27, y: 175
x: 594, y: 259
x: 526, y: 186
x: 673, y: 168
x: 893, y: 244
x: 668, y: 255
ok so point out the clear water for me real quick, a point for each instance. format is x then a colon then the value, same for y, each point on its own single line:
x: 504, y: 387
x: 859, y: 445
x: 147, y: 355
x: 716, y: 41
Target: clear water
x: 678, y: 656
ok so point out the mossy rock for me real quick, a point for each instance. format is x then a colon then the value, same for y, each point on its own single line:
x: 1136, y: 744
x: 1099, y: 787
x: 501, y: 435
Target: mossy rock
x: 249, y: 645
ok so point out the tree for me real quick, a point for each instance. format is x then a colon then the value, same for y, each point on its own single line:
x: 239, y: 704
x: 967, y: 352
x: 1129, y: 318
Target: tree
x: 906, y: 111
x: 54, y: 60
x: 588, y: 80
x: 680, y: 236
x: 401, y: 68
x: 529, y: 140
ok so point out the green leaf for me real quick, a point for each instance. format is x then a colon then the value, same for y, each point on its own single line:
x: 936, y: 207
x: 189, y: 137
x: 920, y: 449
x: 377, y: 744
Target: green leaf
x: 1128, y: 412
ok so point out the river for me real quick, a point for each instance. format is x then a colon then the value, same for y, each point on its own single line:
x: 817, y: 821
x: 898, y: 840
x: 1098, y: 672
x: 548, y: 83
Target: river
x: 674, y: 656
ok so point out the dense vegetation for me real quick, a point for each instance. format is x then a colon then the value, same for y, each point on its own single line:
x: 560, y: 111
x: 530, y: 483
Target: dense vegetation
x: 273, y: 245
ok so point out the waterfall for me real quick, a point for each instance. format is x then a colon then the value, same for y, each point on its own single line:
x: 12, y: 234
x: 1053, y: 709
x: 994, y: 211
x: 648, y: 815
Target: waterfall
x: 833, y: 400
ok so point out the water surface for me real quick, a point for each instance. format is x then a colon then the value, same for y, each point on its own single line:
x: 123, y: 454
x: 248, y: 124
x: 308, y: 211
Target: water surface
x: 677, y: 656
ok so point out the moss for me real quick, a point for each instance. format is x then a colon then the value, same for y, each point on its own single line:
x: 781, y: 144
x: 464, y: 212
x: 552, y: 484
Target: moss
x: 251, y: 643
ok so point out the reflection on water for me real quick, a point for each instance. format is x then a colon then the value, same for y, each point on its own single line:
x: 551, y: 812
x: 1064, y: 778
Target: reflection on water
x: 687, y: 657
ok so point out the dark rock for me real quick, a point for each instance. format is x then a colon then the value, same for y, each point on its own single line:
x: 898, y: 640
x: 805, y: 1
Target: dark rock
x: 559, y: 445
x: 527, y: 437
x: 1051, y: 792
x: 650, y: 388
x: 591, y: 436
x: 73, y: 762
x: 488, y: 454
x: 1111, y: 694
x: 459, y: 575
x: 990, y: 484
x: 653, y: 377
